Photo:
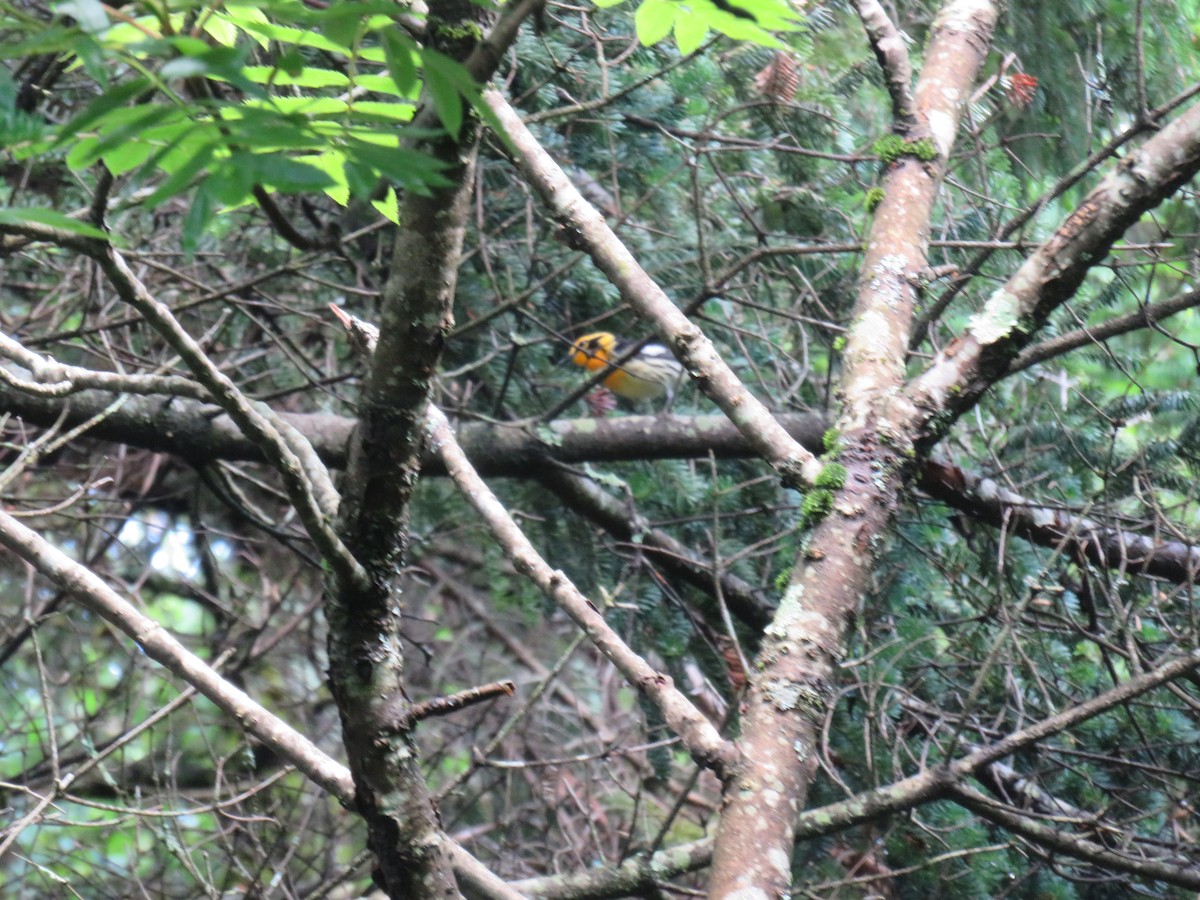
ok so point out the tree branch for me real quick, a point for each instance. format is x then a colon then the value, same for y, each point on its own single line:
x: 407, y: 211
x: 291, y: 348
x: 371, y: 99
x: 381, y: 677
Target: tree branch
x: 305, y: 477
x: 588, y: 231
x: 54, y: 379
x: 1142, y: 317
x: 963, y: 371
x: 1075, y: 846
x: 585, y: 497
x: 791, y: 680
x: 161, y: 646
x: 872, y: 805
x: 892, y: 54
x: 986, y: 501
x: 195, y: 433
x: 698, y: 734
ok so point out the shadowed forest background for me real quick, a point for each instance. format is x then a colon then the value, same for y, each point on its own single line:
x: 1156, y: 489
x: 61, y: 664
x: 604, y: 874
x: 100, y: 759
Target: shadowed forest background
x: 897, y: 599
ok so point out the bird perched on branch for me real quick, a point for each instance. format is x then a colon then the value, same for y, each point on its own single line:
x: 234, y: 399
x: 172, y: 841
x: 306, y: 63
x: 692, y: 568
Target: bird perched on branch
x: 650, y: 373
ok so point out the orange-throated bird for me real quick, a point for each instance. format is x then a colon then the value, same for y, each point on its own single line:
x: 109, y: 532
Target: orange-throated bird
x: 650, y: 373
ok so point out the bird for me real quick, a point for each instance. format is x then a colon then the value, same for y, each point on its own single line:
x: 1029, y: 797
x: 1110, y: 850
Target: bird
x: 652, y: 372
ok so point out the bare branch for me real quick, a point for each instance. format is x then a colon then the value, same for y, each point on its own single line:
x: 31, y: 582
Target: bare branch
x: 892, y: 53
x: 55, y: 379
x: 304, y: 475
x: 698, y: 734
x: 908, y: 793
x: 1064, y: 184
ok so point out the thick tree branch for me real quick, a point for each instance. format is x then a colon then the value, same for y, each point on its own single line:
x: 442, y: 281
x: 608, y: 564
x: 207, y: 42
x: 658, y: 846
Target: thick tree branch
x: 974, y: 361
x: 366, y: 654
x: 198, y: 433
x: 898, y: 242
x: 791, y: 682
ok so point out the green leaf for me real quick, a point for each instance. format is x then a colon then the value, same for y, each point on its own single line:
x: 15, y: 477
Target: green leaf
x: 182, y: 176
x: 224, y: 25
x: 98, y: 109
x: 50, y: 39
x: 266, y: 32
x: 223, y: 31
x: 307, y: 107
x: 231, y: 179
x: 291, y: 62
x: 653, y: 20
x: 440, y: 80
x: 408, y: 168
x: 389, y: 206
x: 690, y: 33
x: 130, y: 126
x: 89, y: 14
x: 333, y: 164
x: 20, y: 216
x: 398, y: 51
x: 128, y: 156
x: 308, y: 77
x: 289, y: 175
x: 341, y: 23
x: 383, y: 84
x: 197, y: 219
x: 374, y: 110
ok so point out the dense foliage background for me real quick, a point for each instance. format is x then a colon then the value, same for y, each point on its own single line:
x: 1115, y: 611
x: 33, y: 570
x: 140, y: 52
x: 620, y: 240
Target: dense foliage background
x: 250, y: 162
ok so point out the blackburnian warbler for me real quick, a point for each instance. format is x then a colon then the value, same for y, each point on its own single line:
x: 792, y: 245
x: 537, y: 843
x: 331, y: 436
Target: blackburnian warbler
x: 650, y: 373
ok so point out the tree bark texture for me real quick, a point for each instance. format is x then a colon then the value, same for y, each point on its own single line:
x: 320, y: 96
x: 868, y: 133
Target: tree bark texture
x: 792, y: 679
x: 366, y: 659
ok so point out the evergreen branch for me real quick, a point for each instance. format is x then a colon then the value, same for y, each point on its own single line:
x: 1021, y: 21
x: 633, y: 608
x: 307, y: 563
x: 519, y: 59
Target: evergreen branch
x: 907, y: 793
x: 1064, y: 184
x: 1073, y: 845
x: 164, y: 648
